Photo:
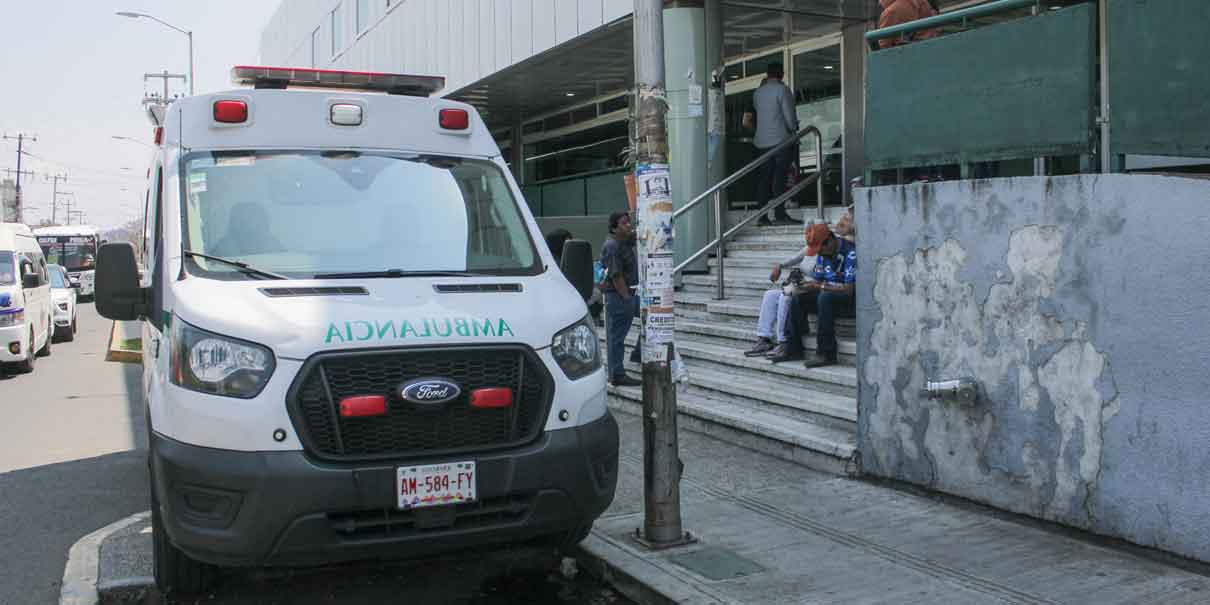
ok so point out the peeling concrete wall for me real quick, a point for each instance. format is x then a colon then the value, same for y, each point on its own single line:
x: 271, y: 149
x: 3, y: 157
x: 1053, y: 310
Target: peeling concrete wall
x: 1082, y: 307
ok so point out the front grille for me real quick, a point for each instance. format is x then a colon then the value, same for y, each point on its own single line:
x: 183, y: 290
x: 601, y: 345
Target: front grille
x: 406, y: 430
x: 492, y: 512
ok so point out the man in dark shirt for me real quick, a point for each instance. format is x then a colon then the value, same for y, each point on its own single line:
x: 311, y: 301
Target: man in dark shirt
x: 829, y: 294
x: 619, y: 256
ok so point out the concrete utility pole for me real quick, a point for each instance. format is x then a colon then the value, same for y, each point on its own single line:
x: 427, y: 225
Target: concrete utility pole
x: 21, y: 138
x: 54, y: 196
x: 165, y: 76
x: 661, y: 461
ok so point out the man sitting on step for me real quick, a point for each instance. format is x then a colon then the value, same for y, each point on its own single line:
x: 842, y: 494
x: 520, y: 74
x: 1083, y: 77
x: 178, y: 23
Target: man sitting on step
x: 770, y: 325
x: 830, y: 294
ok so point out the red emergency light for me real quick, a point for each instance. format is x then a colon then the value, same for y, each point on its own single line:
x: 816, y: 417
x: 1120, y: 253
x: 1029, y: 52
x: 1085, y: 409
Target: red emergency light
x: 364, y: 405
x: 491, y: 398
x: 230, y: 112
x: 283, y: 77
x: 454, y: 119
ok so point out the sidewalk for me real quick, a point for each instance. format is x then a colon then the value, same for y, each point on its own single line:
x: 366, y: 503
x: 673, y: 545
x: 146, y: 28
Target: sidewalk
x: 773, y: 532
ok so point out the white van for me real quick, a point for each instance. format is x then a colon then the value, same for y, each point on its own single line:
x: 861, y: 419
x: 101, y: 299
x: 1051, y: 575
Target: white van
x: 26, y: 319
x: 355, y: 345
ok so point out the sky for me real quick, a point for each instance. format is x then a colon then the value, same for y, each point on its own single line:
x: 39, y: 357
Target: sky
x: 71, y: 74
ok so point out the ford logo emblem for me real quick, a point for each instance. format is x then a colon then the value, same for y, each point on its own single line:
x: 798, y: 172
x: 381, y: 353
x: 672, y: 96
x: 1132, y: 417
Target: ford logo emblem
x: 430, y: 391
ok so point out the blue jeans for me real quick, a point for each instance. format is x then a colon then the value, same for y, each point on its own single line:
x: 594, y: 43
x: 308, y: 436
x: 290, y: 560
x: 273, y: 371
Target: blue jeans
x: 828, y: 306
x: 619, y: 315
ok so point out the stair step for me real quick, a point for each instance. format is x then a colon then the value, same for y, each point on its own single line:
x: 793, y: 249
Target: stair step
x: 841, y: 378
x: 745, y: 311
x: 819, y: 447
x: 743, y: 337
x: 784, y: 396
x: 751, y: 261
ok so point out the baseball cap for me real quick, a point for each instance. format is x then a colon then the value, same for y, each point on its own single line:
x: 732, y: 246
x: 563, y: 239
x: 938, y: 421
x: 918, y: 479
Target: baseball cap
x: 817, y: 234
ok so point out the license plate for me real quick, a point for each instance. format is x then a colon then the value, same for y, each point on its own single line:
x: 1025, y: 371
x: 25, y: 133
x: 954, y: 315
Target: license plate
x: 436, y: 484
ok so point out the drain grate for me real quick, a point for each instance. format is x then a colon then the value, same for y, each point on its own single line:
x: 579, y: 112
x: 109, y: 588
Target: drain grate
x: 717, y: 564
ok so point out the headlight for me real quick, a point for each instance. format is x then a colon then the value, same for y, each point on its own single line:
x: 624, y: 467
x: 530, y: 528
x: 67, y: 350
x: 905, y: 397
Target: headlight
x: 63, y: 306
x: 577, y: 350
x: 209, y: 363
x: 12, y: 318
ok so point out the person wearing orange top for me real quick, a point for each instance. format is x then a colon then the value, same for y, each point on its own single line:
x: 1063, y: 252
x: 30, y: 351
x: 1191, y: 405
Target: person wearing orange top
x: 897, y: 12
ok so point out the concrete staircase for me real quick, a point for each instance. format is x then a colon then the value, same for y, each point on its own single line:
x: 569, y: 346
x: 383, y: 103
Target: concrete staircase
x: 786, y: 410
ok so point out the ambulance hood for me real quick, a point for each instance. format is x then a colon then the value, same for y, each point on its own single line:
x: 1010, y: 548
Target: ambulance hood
x: 296, y: 321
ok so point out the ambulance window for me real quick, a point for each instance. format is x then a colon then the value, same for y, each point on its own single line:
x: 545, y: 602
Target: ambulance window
x: 8, y: 273
x: 307, y: 213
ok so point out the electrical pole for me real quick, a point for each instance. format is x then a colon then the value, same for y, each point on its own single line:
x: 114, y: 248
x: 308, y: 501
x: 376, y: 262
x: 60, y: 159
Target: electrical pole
x: 165, y: 76
x: 54, y: 196
x: 21, y: 137
x: 661, y: 460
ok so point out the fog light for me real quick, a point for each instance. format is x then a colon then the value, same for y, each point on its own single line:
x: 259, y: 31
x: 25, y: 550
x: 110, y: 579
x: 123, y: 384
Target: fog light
x: 14, y: 348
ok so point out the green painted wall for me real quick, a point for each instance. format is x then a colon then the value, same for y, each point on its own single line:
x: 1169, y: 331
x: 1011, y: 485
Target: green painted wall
x: 1022, y: 88
x: 1159, y: 77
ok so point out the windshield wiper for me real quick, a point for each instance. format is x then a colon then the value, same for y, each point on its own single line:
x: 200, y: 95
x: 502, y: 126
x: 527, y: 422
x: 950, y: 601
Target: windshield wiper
x: 394, y: 273
x: 242, y: 266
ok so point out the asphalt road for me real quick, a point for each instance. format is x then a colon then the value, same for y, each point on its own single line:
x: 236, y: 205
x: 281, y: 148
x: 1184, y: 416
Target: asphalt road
x: 72, y: 458
x: 73, y: 447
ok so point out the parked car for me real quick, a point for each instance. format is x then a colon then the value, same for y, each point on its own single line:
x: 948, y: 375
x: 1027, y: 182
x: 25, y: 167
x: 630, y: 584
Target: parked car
x: 25, y: 315
x: 63, y: 295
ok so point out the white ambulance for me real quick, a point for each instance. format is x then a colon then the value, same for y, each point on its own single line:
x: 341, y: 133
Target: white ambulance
x: 26, y: 315
x: 355, y: 344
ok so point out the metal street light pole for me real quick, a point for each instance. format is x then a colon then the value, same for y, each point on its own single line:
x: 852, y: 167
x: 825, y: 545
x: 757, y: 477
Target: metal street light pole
x: 188, y: 34
x: 661, y: 459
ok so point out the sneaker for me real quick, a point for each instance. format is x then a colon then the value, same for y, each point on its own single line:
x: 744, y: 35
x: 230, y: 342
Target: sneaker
x: 819, y: 361
x: 764, y: 345
x: 625, y: 381
x: 781, y: 353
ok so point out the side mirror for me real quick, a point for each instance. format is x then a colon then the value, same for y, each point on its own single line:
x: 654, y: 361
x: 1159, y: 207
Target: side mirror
x: 577, y: 266
x: 30, y: 280
x: 118, y: 293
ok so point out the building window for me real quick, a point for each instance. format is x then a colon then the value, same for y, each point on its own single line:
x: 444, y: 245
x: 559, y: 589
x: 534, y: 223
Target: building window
x: 337, y: 43
x: 363, y: 15
x: 315, y: 48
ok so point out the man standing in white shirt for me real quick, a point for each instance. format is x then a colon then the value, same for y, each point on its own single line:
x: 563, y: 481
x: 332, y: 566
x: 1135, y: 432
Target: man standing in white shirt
x: 776, y: 121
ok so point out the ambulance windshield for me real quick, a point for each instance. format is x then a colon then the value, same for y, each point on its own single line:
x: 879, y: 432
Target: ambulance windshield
x: 304, y: 213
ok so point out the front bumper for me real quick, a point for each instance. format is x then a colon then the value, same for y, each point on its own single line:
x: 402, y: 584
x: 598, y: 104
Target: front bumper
x: 284, y: 508
x: 62, y: 318
x: 18, y: 333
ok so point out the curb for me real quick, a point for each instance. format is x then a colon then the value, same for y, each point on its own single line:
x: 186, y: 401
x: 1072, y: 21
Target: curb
x: 115, y: 352
x: 83, y: 561
x: 639, y: 578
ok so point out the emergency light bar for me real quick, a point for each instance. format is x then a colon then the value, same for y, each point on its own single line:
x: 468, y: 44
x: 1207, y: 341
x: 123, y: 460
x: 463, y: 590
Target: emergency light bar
x: 283, y: 77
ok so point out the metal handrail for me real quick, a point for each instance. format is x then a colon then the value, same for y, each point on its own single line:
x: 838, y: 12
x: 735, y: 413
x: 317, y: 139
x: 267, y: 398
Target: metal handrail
x: 972, y: 12
x: 716, y: 192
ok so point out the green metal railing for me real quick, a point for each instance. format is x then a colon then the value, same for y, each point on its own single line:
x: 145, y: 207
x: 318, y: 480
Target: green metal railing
x: 1023, y: 89
x: 958, y: 16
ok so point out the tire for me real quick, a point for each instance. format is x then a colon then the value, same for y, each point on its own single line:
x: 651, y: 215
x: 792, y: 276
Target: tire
x: 568, y: 539
x: 175, y: 572
x: 50, y: 337
x: 27, y: 366
x: 70, y: 333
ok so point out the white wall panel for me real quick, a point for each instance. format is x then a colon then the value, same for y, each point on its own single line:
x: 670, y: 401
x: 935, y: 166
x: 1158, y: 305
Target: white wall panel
x: 615, y: 9
x: 487, y: 38
x: 463, y: 40
x: 567, y: 20
x: 522, y: 41
x: 504, y: 30
x: 543, y: 25
x: 590, y: 15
